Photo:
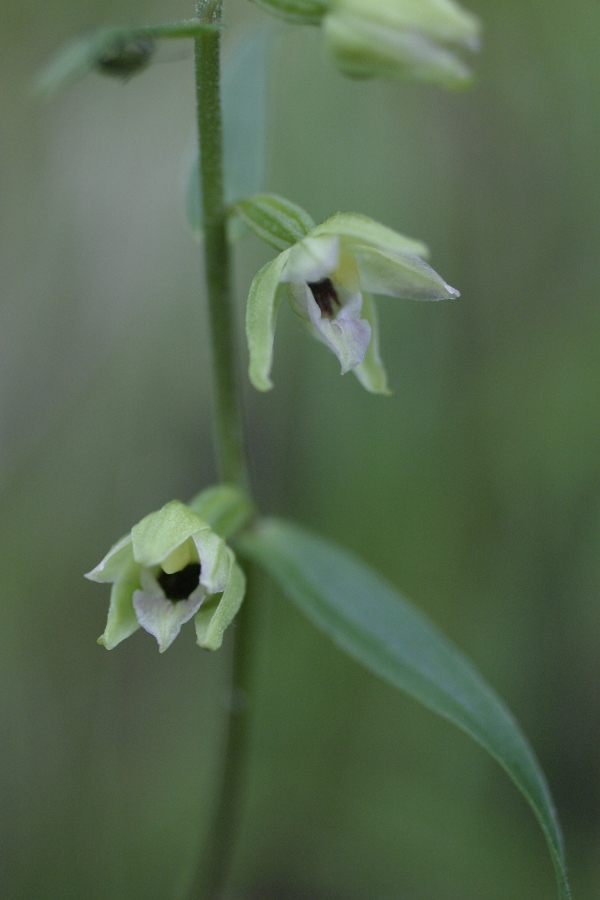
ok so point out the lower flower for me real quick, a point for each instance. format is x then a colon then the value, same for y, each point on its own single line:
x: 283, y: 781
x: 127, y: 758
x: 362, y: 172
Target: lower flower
x: 170, y: 568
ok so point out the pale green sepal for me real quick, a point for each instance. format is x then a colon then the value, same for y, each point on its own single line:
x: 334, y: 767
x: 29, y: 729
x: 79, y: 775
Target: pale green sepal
x: 261, y: 315
x: 162, y: 532
x: 115, y: 564
x: 274, y: 219
x: 298, y: 12
x: 441, y: 20
x: 214, y: 616
x: 216, y: 565
x: 356, y: 227
x: 399, y: 275
x: 81, y: 56
x: 225, y: 507
x: 122, y: 620
x: 368, y: 50
x: 371, y: 372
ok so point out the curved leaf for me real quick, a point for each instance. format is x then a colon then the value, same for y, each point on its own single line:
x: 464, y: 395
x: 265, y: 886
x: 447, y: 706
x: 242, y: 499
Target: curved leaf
x: 368, y: 619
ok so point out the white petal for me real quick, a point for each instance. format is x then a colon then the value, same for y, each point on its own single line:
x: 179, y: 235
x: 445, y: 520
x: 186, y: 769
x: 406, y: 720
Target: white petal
x: 312, y: 259
x: 347, y: 334
x: 162, y: 618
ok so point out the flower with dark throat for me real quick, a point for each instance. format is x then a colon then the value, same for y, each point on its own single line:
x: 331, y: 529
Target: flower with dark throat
x: 328, y: 276
x: 170, y: 568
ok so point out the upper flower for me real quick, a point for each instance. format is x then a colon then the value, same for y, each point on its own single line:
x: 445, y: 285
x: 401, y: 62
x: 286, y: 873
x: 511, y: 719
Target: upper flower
x: 390, y: 38
x: 327, y: 276
x: 401, y: 39
x: 172, y: 566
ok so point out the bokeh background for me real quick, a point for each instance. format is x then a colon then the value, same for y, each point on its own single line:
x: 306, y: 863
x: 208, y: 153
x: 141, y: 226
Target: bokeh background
x: 476, y: 489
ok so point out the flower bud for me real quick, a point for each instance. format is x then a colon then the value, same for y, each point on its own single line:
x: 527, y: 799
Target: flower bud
x: 401, y: 39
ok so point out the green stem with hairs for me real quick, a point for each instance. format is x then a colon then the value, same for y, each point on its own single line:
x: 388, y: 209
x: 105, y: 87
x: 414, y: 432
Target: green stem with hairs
x: 229, y: 442
x: 223, y: 827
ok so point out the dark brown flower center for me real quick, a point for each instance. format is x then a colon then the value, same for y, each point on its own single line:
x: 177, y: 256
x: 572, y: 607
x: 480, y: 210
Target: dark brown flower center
x: 325, y: 295
x: 179, y: 585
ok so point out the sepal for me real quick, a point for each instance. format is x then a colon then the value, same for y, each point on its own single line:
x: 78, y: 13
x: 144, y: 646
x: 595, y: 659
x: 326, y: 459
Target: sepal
x: 261, y: 315
x: 216, y: 614
x: 371, y: 372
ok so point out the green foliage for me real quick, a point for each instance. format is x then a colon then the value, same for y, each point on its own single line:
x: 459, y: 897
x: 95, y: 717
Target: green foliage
x: 371, y: 622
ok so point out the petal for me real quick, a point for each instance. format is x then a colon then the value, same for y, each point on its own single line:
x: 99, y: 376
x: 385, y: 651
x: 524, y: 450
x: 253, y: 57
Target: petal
x: 261, y: 315
x: 161, y: 533
x: 400, y: 275
x: 162, y: 618
x: 214, y: 617
x: 353, y: 227
x: 312, y: 259
x: 117, y: 563
x: 347, y: 334
x: 122, y: 620
x: 371, y: 372
x: 215, y: 563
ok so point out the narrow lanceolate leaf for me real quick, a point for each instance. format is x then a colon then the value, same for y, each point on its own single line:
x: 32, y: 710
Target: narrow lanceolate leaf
x: 368, y: 619
x: 275, y: 220
x: 245, y: 133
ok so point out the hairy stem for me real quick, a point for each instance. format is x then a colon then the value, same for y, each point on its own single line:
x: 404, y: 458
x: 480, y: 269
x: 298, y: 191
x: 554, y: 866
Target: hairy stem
x: 227, y: 416
x: 217, y: 854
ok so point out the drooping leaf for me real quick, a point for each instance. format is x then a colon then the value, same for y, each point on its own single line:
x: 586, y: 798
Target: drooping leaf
x: 368, y: 619
x: 244, y: 104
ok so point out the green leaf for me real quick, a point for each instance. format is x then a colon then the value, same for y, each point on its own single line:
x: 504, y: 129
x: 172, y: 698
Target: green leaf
x: 244, y: 100
x: 275, y: 220
x: 368, y: 619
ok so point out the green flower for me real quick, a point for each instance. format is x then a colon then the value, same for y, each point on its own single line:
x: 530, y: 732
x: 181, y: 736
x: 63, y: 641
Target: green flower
x: 170, y: 568
x: 401, y: 39
x: 327, y: 275
x: 390, y: 38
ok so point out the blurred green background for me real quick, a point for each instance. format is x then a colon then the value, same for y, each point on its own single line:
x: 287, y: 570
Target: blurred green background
x: 476, y: 489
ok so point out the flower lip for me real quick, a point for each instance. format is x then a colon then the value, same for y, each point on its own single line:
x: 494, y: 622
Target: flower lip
x: 179, y: 585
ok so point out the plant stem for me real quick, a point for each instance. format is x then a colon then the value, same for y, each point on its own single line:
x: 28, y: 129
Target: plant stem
x: 229, y: 442
x: 215, y: 864
x: 223, y: 827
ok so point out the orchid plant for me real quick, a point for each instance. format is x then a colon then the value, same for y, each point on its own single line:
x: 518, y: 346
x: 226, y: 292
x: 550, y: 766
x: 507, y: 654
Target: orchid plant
x: 198, y: 560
